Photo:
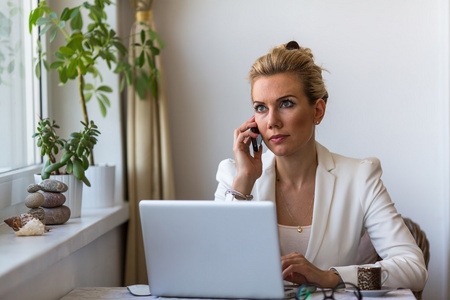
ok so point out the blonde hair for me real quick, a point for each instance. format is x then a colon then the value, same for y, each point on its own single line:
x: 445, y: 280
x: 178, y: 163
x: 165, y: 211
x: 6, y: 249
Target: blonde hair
x: 291, y: 58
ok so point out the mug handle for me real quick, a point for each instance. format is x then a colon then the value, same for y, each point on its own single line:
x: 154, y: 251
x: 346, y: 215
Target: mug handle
x: 384, y: 276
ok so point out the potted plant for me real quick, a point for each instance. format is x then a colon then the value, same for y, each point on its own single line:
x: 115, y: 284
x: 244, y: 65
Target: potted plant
x: 71, y: 168
x: 84, y: 47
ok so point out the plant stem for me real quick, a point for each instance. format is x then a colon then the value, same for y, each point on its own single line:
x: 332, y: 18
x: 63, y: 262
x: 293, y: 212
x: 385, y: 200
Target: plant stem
x: 83, y: 107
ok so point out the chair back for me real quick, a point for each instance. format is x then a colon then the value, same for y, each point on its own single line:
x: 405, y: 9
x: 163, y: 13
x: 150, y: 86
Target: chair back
x: 422, y: 241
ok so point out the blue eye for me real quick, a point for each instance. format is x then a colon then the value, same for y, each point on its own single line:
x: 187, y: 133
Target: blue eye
x: 287, y: 103
x: 260, y: 108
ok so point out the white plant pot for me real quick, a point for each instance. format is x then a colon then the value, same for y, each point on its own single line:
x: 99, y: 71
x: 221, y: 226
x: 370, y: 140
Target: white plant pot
x: 73, y: 194
x: 101, y: 192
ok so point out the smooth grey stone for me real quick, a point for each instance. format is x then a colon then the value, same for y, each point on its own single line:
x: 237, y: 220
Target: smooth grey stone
x: 55, y: 186
x: 53, y: 199
x: 57, y: 215
x: 38, y: 213
x: 34, y: 200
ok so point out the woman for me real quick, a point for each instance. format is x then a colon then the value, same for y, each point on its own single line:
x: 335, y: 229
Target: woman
x: 325, y: 202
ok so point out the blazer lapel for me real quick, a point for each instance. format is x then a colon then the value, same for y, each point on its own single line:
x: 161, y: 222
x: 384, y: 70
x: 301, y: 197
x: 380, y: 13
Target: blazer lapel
x: 323, y: 196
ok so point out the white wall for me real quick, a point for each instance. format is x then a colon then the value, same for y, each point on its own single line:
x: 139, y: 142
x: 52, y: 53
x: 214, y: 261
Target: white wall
x: 387, y: 84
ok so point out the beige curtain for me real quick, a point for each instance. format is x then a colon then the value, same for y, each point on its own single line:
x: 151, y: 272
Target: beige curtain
x: 149, y: 166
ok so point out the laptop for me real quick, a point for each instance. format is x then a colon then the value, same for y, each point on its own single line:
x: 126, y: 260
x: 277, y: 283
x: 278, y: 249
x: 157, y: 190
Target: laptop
x: 208, y: 249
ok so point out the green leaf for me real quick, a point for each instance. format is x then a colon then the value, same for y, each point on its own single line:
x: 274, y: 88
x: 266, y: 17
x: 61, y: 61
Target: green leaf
x: 56, y: 64
x: 77, y: 22
x: 140, y: 88
x: 102, y: 107
x: 76, y: 135
x: 89, y: 87
x: 105, y: 89
x: 87, y: 97
x: 72, y: 69
x: 122, y: 84
x: 45, y: 175
x: 129, y: 76
x: 42, y: 21
x: 80, y: 150
x: 150, y: 61
x: 53, y: 34
x: 47, y: 67
x: 142, y: 36
x: 69, y: 167
x: 75, y: 11
x: 67, y: 51
x: 91, y: 27
x: 66, y: 157
x: 154, y: 50
x: 62, y: 24
x: 37, y: 70
x: 78, y: 169
x: 141, y: 59
x: 96, y: 14
x: 82, y: 67
x: 105, y: 100
x: 53, y: 15
x: 121, y: 48
x: 85, y: 162
x: 46, y: 28
x: 59, y: 56
x: 63, y: 74
x: 53, y: 167
x: 86, y: 181
x: 34, y: 15
x: 65, y: 15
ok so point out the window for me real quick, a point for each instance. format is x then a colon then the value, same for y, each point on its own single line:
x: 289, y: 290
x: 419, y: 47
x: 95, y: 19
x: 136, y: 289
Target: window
x: 19, y: 97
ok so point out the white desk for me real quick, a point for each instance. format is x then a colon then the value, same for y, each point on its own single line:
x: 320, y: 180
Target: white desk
x: 123, y: 293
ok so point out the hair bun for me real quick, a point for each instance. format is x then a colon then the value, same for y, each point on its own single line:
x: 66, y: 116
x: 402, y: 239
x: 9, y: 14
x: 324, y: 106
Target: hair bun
x: 292, y: 45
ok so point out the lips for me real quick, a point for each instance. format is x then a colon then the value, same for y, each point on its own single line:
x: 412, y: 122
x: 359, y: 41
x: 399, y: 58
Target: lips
x: 278, y: 138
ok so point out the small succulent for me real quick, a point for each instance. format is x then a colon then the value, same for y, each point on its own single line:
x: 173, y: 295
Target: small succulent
x: 77, y: 149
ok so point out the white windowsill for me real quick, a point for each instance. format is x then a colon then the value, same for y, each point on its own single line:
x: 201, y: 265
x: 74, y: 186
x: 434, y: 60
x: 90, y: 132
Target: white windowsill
x: 22, y: 258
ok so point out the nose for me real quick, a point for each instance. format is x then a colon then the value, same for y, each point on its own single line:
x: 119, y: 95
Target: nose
x: 273, y: 119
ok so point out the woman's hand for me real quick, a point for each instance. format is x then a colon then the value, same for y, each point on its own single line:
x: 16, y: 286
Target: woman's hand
x: 297, y: 269
x: 249, y: 168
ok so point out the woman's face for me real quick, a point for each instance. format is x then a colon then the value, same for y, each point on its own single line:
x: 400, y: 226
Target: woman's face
x: 284, y: 116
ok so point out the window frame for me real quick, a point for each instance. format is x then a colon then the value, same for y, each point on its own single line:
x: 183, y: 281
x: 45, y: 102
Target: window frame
x: 13, y: 183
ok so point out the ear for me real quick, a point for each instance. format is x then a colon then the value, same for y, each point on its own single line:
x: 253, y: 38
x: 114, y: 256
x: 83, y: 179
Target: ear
x: 319, y: 111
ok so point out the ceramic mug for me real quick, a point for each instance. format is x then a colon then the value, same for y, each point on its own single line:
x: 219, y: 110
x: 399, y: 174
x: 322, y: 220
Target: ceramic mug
x: 371, y: 278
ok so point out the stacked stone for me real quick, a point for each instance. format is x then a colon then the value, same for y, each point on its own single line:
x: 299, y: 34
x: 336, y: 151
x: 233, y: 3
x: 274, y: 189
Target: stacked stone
x: 55, y: 213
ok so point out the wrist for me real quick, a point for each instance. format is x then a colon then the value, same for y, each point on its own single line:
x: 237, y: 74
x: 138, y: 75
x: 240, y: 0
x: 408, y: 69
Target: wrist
x: 238, y: 195
x: 243, y: 185
x: 334, y: 278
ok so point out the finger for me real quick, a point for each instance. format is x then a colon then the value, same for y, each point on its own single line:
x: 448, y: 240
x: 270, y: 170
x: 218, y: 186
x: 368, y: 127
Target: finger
x: 244, y: 137
x: 294, y: 270
x: 247, y: 125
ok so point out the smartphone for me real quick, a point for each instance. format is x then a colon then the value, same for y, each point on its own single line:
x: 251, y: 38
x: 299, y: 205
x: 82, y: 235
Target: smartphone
x: 256, y: 142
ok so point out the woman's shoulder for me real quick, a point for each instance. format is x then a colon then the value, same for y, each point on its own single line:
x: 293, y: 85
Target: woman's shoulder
x: 339, y: 162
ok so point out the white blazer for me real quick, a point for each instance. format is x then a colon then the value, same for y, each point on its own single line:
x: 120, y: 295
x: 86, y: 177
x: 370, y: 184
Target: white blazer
x: 349, y: 197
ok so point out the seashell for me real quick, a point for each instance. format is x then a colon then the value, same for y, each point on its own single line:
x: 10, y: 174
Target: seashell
x: 53, y: 199
x: 32, y: 227
x: 34, y: 200
x: 20, y: 222
x: 33, y: 188
x: 38, y: 213
x: 55, y: 186
x: 57, y: 215
x: 14, y: 222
